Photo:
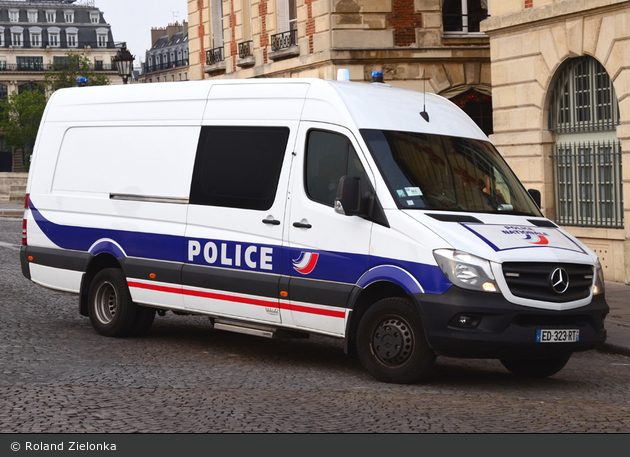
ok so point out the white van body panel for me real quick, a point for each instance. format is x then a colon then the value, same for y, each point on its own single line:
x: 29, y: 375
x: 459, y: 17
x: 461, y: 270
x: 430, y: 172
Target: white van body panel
x: 118, y: 180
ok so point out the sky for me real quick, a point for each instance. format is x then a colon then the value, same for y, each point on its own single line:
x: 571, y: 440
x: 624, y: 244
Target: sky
x: 131, y: 20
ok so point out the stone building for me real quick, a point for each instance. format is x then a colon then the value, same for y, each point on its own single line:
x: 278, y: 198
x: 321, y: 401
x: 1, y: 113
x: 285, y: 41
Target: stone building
x: 35, y: 35
x: 167, y: 60
x: 561, y: 104
x: 418, y: 44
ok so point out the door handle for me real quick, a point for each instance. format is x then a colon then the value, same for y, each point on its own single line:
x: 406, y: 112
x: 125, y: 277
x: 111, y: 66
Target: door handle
x: 302, y: 225
x: 271, y: 221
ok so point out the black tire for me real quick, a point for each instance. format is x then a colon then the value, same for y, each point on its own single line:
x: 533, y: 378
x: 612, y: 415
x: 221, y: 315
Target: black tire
x: 111, y: 310
x: 143, y: 321
x: 536, y: 368
x: 391, y: 342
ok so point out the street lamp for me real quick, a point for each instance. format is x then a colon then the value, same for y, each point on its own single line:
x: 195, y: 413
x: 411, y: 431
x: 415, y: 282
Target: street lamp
x: 124, y: 61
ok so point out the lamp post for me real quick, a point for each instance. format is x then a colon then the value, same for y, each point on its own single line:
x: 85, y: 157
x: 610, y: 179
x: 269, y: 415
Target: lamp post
x: 124, y: 62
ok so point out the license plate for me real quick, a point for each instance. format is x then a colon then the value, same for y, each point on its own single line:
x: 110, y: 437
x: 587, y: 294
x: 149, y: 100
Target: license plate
x: 557, y: 336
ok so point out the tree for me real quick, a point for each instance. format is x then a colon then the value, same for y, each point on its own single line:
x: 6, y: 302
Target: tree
x: 20, y: 118
x: 66, y: 70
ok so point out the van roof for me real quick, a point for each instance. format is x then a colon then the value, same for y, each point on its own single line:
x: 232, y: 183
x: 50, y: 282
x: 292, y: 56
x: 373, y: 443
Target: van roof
x: 368, y: 106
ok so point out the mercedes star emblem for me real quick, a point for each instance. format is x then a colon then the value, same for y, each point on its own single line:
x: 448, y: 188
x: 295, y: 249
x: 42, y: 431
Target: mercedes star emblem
x: 559, y: 280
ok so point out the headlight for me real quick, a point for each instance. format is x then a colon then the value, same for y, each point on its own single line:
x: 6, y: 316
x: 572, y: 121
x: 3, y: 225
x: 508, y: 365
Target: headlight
x: 598, y: 288
x: 466, y: 270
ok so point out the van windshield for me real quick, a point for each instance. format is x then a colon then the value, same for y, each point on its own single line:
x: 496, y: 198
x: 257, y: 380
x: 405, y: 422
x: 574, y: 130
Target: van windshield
x: 447, y: 173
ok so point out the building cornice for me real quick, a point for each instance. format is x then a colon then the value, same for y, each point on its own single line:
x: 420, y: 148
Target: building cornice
x: 549, y: 13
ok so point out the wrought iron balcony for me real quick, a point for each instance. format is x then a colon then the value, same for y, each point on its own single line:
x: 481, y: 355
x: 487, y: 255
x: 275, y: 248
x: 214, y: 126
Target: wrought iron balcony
x: 62, y: 44
x: 37, y: 67
x: 283, y: 40
x: 165, y: 66
x: 214, y: 56
x: 246, y: 49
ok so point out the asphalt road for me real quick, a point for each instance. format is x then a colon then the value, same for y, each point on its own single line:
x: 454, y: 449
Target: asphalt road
x: 58, y: 376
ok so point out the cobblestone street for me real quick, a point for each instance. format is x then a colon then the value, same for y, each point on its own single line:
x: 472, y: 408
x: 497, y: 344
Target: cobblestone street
x: 58, y: 375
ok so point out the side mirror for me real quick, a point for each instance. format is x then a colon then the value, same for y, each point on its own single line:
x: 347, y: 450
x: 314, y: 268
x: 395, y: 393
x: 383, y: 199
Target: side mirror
x: 348, y: 199
x: 535, y: 194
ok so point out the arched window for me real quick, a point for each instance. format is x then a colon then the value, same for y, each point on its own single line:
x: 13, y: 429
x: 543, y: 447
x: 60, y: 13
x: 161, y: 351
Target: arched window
x: 584, y: 114
x: 478, y: 106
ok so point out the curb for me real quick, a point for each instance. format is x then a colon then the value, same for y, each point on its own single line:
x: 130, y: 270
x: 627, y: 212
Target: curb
x: 614, y: 349
x: 12, y: 214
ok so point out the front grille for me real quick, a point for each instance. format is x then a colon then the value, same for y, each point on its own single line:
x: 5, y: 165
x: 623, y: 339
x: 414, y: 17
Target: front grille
x: 533, y: 280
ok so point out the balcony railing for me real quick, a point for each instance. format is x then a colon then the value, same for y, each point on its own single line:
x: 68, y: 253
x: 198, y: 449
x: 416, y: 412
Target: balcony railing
x: 165, y: 66
x: 463, y: 23
x: 214, y: 56
x: 35, y: 67
x: 246, y: 49
x: 59, y: 45
x: 283, y: 40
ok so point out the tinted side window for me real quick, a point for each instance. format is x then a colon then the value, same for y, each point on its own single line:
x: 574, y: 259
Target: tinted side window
x: 238, y: 167
x: 329, y: 156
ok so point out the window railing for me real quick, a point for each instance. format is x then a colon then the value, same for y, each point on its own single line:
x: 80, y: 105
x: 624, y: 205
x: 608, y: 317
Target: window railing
x: 165, y: 66
x: 588, y: 189
x: 49, y: 67
x: 463, y: 23
x: 214, y: 56
x: 63, y: 44
x: 246, y: 49
x: 283, y: 40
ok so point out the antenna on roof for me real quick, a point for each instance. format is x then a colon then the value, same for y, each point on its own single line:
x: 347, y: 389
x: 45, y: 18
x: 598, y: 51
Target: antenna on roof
x: 174, y: 13
x: 424, y: 113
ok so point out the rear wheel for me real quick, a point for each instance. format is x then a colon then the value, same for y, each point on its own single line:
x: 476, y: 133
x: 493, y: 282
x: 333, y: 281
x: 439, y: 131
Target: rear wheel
x: 391, y: 342
x: 536, y: 368
x: 111, y: 310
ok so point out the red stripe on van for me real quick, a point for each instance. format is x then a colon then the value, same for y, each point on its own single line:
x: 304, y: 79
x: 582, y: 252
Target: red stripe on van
x: 198, y: 293
x: 309, y: 310
x: 235, y: 299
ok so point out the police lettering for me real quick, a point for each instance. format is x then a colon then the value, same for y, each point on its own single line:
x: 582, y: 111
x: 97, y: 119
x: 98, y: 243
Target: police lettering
x: 254, y: 257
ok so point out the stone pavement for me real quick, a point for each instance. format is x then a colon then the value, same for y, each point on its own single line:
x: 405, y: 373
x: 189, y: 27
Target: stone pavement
x: 617, y: 295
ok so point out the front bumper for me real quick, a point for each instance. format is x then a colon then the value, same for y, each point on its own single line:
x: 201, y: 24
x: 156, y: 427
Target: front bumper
x: 501, y: 329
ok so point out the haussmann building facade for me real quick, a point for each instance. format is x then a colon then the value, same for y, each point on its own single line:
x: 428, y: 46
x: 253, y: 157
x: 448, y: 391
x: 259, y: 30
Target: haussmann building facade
x: 432, y: 44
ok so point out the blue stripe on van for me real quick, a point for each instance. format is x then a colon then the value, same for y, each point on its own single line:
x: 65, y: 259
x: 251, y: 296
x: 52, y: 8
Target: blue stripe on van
x: 339, y: 267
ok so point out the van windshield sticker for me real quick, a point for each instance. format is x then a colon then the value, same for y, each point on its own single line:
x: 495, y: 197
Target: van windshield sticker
x: 413, y: 191
x: 506, y: 237
x: 401, y: 193
x: 410, y: 202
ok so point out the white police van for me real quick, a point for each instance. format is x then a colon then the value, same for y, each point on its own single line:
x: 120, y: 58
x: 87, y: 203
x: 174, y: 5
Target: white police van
x: 287, y: 207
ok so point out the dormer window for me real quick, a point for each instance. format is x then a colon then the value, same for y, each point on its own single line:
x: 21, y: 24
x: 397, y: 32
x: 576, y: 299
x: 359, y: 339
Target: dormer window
x: 72, y: 37
x: 35, y: 34
x: 14, y: 15
x: 17, y: 39
x: 32, y: 15
x: 51, y: 16
x: 94, y: 17
x: 68, y: 16
x: 101, y: 37
x: 53, y: 37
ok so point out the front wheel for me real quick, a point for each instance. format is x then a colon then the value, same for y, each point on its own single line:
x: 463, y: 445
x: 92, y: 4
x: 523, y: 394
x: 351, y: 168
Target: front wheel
x: 391, y: 342
x: 536, y: 368
x: 111, y: 310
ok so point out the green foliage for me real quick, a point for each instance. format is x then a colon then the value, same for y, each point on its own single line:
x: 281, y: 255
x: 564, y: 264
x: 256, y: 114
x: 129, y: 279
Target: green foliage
x: 65, y: 72
x: 20, y: 118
